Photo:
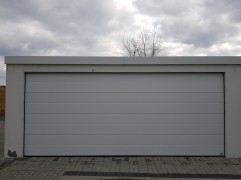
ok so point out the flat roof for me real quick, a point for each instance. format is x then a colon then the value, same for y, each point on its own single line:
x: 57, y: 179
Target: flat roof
x: 168, y: 60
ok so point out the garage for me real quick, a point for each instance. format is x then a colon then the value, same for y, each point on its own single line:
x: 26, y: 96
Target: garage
x: 102, y: 114
x: 122, y: 106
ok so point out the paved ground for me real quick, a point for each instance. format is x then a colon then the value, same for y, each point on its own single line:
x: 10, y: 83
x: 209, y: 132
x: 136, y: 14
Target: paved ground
x: 64, y: 168
x: 110, y: 168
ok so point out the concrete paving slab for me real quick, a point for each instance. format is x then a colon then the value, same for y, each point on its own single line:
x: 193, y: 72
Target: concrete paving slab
x: 122, y: 168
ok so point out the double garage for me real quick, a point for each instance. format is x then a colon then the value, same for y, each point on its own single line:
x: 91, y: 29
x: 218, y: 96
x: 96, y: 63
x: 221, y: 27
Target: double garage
x: 90, y: 106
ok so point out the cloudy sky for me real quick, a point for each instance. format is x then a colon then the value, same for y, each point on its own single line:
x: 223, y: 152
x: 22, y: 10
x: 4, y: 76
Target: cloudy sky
x: 96, y: 27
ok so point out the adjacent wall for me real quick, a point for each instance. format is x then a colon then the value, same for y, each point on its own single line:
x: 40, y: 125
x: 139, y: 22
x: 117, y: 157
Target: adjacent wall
x: 233, y: 111
x: 14, y: 124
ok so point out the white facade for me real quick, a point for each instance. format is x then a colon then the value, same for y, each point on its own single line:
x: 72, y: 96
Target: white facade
x: 197, y: 110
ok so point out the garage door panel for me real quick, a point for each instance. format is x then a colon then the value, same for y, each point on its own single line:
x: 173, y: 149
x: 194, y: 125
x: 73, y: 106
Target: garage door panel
x: 124, y: 114
x: 124, y: 108
x: 116, y: 83
x: 134, y: 87
x: 124, y: 139
x: 109, y: 77
x: 124, y: 129
x: 214, y: 81
x: 124, y: 118
x: 124, y: 150
x: 124, y: 98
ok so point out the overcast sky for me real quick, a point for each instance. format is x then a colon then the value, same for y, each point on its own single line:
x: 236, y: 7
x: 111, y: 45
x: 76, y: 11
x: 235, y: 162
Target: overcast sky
x: 96, y: 27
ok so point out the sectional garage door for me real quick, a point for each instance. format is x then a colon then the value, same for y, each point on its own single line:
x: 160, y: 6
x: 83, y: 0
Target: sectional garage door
x: 72, y: 114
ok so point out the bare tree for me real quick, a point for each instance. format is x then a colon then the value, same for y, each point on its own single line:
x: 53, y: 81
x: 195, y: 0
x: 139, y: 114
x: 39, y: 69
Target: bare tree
x: 144, y: 43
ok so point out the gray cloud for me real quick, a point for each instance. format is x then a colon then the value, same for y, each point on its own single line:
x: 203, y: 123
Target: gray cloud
x: 169, y: 8
x: 59, y: 27
x: 224, y: 7
x: 198, y: 23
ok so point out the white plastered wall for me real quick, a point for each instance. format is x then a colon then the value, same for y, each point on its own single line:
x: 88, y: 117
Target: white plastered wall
x: 233, y: 111
x: 14, y: 124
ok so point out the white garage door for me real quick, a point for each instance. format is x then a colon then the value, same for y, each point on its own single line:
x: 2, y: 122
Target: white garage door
x: 124, y: 114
